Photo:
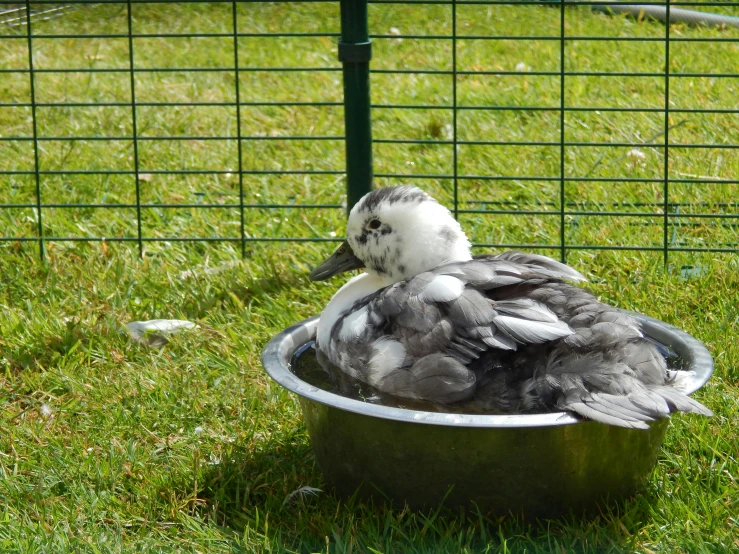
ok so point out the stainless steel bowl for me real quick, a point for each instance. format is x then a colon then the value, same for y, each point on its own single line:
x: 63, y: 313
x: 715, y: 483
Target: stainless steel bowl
x: 539, y: 465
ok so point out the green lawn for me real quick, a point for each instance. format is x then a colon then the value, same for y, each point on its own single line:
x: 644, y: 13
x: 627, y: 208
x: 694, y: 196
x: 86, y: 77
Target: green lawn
x: 111, y: 446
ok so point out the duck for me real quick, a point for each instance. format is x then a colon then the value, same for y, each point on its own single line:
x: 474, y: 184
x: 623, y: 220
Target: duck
x: 511, y: 332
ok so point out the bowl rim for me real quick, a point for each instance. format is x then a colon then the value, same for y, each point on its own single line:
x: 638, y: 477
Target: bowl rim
x: 278, y: 352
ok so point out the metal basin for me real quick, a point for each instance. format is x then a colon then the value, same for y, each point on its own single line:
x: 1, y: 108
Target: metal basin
x: 541, y: 465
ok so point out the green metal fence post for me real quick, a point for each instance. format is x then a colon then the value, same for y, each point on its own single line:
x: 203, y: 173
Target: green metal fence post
x: 355, y: 52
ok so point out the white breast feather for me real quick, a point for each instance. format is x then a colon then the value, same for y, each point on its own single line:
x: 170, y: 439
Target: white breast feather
x: 443, y: 288
x: 354, y: 289
x: 353, y: 325
x: 387, y: 356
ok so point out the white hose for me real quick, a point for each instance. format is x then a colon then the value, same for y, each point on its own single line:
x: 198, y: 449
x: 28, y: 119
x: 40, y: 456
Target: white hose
x: 676, y: 15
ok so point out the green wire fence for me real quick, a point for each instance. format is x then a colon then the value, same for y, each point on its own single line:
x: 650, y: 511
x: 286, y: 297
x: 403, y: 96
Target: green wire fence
x: 543, y: 126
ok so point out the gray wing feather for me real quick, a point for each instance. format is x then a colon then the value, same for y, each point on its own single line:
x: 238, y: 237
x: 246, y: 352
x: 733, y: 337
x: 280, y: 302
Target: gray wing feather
x: 476, y: 274
x: 441, y: 378
x: 624, y: 406
x: 603, y: 415
x: 469, y: 353
x: 420, y: 344
x: 526, y: 308
x: 419, y: 316
x: 682, y: 402
x: 543, y: 263
x: 393, y: 300
x: 484, y: 274
x: 650, y: 401
x: 474, y: 344
x: 471, y: 308
x: 491, y: 337
x: 531, y: 332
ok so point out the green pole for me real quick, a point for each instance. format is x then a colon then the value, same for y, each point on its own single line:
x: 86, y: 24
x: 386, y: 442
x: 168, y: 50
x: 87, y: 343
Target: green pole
x: 355, y: 52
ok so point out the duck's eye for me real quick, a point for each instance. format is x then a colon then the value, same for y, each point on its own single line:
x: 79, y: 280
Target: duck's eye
x: 374, y: 224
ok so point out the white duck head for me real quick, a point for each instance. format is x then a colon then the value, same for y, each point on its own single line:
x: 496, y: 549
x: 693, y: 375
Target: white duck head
x: 395, y: 233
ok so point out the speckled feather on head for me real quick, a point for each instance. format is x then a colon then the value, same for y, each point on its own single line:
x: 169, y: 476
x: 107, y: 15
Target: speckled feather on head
x: 504, y: 332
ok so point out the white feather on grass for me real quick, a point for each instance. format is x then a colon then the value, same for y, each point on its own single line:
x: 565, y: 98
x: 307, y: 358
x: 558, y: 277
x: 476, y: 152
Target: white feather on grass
x: 153, y: 332
x: 302, y: 492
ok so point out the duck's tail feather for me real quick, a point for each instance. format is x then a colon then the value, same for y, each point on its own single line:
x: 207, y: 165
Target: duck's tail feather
x: 680, y: 402
x: 635, y: 410
x: 627, y: 384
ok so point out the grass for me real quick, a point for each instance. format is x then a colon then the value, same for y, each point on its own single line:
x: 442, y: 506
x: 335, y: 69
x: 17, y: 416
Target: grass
x: 109, y: 446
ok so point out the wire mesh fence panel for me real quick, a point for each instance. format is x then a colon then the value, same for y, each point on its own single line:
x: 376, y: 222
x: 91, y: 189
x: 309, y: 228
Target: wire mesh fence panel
x: 157, y: 122
x: 561, y: 127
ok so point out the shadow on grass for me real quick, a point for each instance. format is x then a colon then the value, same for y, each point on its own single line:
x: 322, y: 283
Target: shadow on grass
x: 250, y: 494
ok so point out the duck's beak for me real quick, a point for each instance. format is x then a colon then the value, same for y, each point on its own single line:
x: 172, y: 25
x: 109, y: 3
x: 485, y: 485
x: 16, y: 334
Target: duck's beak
x: 340, y: 261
